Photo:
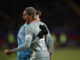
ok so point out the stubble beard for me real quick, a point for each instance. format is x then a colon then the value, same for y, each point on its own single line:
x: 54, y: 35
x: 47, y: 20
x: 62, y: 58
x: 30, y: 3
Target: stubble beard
x: 28, y: 21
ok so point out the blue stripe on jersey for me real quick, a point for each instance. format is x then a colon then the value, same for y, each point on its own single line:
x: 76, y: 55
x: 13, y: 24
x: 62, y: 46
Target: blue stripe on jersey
x: 21, y: 40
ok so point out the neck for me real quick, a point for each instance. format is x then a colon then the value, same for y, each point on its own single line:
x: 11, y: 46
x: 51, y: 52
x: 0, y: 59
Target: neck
x: 34, y: 21
x: 26, y: 22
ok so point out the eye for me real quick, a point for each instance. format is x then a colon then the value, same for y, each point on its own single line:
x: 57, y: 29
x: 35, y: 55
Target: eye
x: 24, y: 14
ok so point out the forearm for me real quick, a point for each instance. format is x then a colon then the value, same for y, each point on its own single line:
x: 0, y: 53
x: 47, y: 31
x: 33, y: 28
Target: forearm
x: 21, y: 48
x: 51, y: 47
x: 26, y: 44
x: 50, y: 44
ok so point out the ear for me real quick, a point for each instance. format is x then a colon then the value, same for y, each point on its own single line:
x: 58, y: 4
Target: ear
x: 31, y: 16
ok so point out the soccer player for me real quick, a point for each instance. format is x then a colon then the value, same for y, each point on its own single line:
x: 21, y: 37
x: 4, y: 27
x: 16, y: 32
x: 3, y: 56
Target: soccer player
x: 31, y: 32
x: 49, y: 41
x: 23, y: 55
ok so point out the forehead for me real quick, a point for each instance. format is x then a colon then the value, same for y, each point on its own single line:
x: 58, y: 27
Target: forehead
x: 24, y: 12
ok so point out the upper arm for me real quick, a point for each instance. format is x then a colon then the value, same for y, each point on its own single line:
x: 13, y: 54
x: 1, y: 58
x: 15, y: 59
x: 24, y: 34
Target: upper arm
x: 28, y: 35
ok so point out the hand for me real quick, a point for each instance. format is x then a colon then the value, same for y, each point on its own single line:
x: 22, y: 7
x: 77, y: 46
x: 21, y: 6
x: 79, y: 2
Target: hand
x: 7, y: 52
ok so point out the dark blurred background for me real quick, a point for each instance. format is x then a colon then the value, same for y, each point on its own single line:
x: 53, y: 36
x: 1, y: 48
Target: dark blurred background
x: 61, y: 17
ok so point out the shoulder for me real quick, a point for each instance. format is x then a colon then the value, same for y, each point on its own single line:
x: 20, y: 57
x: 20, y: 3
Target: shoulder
x: 22, y: 27
x: 42, y: 23
x: 33, y: 28
x: 29, y: 28
x: 33, y: 25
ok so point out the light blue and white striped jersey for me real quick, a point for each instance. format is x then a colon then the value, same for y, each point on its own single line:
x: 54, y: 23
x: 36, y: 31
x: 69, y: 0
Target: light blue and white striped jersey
x: 21, y: 40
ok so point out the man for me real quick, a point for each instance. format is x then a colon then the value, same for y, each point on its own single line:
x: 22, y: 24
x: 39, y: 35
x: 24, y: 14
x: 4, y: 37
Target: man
x: 49, y: 38
x: 31, y: 32
x: 23, y: 55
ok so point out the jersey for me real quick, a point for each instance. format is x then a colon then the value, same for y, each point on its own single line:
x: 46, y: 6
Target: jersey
x: 21, y: 40
x: 30, y: 34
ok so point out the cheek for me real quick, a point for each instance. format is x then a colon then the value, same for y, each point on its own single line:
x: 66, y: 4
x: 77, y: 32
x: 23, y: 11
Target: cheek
x: 25, y: 17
